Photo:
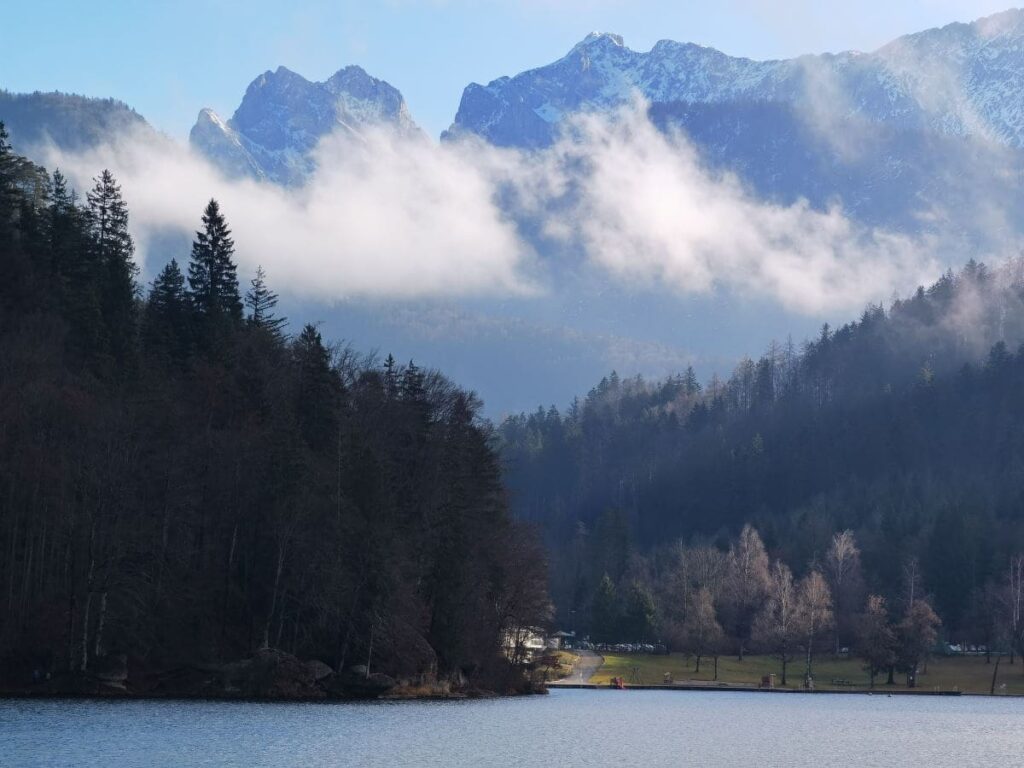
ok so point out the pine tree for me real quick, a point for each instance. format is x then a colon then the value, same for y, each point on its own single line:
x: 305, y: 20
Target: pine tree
x: 114, y: 250
x: 165, y: 325
x: 318, y: 388
x: 261, y: 302
x: 604, y: 620
x: 390, y: 377
x: 7, y: 197
x: 212, y: 278
x: 690, y: 382
x: 73, y: 265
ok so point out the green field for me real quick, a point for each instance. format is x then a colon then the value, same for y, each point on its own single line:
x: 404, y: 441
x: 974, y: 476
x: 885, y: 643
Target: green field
x: 966, y: 674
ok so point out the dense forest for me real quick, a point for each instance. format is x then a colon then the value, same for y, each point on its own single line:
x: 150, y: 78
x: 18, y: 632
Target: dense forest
x: 898, y: 439
x: 183, y: 481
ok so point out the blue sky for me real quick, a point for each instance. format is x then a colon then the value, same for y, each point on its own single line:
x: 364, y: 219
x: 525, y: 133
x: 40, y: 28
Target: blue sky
x: 168, y: 59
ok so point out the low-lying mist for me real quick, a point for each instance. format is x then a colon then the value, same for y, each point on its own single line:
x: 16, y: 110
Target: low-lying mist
x: 397, y: 218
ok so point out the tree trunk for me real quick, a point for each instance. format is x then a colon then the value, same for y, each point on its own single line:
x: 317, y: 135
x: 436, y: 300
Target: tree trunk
x: 892, y: 675
x: 225, y: 606
x: 696, y: 670
x: 369, y: 652
x: 98, y: 647
x: 88, y: 600
x: 84, y: 663
x: 784, y: 664
x: 11, y: 565
x: 69, y: 571
x: 273, y: 597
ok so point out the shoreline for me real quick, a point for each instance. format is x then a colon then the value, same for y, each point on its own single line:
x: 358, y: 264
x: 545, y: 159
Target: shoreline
x: 754, y: 689
x: 26, y: 695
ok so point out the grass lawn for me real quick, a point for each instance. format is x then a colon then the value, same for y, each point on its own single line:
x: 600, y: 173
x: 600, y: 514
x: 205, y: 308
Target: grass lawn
x: 967, y: 674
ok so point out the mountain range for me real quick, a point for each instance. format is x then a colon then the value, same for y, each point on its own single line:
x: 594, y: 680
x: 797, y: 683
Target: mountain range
x: 962, y: 79
x: 926, y: 134
x: 283, y: 116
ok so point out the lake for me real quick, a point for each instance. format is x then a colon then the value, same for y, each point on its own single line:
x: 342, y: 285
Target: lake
x: 566, y: 729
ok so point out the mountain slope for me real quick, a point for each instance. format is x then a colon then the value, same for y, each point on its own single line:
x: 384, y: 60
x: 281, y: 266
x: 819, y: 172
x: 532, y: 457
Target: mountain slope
x: 904, y: 426
x: 283, y: 116
x: 70, y: 121
x: 925, y: 132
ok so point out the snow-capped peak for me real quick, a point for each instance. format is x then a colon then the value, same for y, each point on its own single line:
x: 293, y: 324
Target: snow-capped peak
x: 601, y: 37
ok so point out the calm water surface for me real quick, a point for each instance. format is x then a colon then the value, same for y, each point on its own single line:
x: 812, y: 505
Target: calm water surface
x: 566, y: 729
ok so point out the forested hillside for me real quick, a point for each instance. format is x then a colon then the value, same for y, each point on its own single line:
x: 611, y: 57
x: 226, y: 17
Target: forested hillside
x: 902, y: 433
x: 185, y: 479
x: 66, y: 120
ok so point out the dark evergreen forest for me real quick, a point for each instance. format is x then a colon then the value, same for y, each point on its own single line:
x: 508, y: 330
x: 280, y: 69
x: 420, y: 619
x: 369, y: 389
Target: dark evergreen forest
x: 897, y: 439
x: 186, y: 479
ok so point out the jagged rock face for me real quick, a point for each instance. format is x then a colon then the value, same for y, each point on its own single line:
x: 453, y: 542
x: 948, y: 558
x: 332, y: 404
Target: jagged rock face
x: 962, y: 79
x: 217, y: 141
x: 283, y: 116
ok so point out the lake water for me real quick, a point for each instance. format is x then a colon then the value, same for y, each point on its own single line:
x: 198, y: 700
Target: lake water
x: 565, y: 729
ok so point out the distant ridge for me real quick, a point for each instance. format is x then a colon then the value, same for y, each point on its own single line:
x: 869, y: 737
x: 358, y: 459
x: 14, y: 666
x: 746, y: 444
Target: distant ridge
x: 70, y: 121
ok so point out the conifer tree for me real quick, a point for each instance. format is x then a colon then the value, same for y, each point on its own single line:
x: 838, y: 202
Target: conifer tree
x: 114, y: 250
x: 390, y: 377
x: 165, y: 326
x: 7, y: 197
x: 318, y: 388
x: 212, y: 278
x: 261, y: 302
x: 72, y: 264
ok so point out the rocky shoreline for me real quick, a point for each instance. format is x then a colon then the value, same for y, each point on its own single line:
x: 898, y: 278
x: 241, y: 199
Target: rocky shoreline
x: 269, y: 675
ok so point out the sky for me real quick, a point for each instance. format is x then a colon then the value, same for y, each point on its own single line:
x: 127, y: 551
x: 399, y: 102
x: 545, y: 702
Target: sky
x: 168, y: 59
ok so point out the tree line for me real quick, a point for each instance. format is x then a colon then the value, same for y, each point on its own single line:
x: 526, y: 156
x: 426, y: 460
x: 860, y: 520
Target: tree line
x: 183, y: 480
x: 704, y: 601
x: 904, y: 428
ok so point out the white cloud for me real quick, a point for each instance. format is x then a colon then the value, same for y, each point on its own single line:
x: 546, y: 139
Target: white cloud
x: 396, y: 218
x: 403, y: 219
x: 648, y: 211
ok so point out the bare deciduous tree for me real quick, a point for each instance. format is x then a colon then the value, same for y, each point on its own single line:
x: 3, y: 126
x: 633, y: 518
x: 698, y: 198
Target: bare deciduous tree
x: 843, y: 572
x: 916, y: 635
x: 746, y: 584
x: 1015, y: 605
x: 776, y: 627
x: 702, y: 633
x: 876, y: 641
x: 814, y: 613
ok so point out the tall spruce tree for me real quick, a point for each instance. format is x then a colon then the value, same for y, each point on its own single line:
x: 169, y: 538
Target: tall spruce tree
x: 212, y: 275
x: 165, y: 323
x: 318, y: 388
x: 114, y: 251
x: 261, y: 301
x: 7, y: 197
x: 74, y: 267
